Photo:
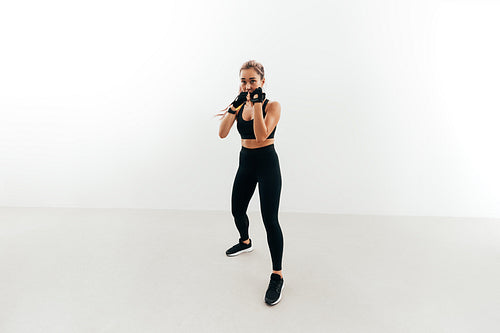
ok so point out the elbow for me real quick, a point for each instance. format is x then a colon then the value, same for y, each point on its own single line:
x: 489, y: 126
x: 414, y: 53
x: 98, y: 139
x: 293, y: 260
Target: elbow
x: 222, y: 135
x: 261, y: 136
x: 260, y: 139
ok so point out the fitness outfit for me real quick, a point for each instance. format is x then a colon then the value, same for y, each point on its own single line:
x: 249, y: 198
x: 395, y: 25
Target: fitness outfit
x: 259, y: 165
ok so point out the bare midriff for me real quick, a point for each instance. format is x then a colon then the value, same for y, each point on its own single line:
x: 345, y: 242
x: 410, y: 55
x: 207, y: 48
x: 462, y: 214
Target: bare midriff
x: 252, y: 143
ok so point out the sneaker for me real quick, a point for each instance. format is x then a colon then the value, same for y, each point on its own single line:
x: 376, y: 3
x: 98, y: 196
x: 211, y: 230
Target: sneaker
x: 273, y: 294
x: 239, y: 248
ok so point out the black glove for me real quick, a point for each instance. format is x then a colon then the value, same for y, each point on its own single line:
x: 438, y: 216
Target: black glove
x: 240, y: 99
x: 257, y: 96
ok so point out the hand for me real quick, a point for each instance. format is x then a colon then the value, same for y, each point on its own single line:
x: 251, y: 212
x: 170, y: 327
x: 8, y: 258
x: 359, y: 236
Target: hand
x: 257, y: 96
x: 240, y: 99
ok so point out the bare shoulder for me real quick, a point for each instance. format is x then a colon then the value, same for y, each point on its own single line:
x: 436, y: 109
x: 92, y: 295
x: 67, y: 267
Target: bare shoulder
x: 273, y: 106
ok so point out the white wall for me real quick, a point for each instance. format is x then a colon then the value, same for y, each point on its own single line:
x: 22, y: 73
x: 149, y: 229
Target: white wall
x: 388, y: 107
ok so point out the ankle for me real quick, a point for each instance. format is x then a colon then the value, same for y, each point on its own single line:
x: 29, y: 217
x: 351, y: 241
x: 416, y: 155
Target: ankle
x: 246, y: 241
x: 279, y: 273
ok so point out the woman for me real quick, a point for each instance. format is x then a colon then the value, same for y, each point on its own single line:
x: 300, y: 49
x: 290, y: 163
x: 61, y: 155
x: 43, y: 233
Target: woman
x: 256, y: 118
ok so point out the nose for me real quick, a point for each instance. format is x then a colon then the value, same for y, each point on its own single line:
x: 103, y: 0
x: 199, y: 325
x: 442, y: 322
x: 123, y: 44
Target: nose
x: 247, y: 87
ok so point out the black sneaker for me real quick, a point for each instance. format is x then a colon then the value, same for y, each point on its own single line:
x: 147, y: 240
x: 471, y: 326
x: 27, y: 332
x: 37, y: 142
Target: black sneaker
x: 273, y: 294
x: 239, y: 248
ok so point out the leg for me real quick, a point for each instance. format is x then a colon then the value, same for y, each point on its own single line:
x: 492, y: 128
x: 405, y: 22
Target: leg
x: 243, y: 189
x: 269, y: 192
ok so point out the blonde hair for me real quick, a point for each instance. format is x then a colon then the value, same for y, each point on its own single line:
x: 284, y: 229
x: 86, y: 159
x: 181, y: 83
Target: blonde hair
x: 247, y: 65
x: 255, y: 65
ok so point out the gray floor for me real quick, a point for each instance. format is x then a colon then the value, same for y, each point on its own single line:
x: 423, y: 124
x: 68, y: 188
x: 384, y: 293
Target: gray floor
x: 99, y: 270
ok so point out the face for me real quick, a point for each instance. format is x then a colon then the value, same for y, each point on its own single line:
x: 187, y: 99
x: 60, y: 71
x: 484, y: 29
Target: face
x: 250, y: 80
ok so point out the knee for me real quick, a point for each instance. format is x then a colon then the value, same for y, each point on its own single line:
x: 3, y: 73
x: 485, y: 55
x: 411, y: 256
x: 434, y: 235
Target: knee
x: 238, y: 213
x: 272, y: 224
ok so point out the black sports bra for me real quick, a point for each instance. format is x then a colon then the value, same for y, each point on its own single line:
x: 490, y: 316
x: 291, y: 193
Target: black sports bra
x: 245, y: 127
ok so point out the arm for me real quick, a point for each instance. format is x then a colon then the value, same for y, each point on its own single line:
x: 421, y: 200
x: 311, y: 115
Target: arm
x: 263, y: 127
x: 226, y: 123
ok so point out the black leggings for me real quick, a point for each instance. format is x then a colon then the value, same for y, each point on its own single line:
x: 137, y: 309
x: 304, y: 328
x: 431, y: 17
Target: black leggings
x: 260, y: 165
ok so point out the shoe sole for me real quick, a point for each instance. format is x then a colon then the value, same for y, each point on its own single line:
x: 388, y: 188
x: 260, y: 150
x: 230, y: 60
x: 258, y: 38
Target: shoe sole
x: 279, y: 298
x: 250, y: 249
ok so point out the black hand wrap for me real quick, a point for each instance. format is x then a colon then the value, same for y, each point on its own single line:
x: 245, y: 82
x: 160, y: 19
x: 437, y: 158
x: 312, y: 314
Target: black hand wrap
x: 240, y: 99
x: 257, y: 96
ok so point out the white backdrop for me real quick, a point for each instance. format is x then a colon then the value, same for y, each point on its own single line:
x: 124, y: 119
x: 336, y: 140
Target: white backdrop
x: 388, y: 107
